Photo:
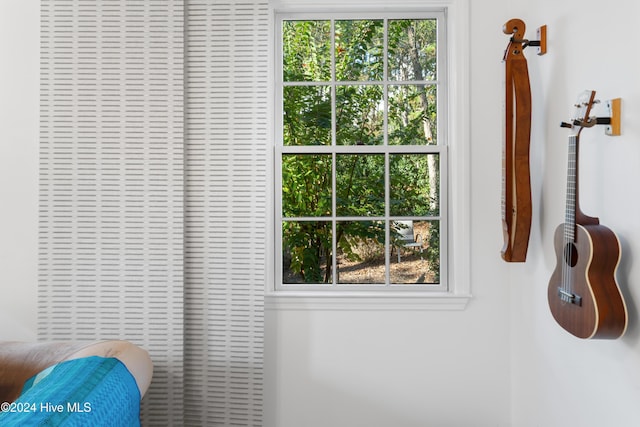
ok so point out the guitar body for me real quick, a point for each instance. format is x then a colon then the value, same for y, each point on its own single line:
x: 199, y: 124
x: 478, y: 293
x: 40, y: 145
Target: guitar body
x: 589, y: 264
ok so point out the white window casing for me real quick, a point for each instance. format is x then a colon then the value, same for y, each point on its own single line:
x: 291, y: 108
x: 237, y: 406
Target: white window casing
x: 453, y: 128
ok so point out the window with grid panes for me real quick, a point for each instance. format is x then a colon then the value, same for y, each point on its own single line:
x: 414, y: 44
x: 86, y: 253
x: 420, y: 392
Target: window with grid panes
x: 361, y: 152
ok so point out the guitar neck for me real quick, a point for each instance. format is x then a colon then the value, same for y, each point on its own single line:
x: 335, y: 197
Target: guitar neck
x: 572, y: 190
x: 573, y: 213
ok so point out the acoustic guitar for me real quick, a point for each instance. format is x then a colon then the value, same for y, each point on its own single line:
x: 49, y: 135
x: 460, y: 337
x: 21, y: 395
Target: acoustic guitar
x: 583, y: 294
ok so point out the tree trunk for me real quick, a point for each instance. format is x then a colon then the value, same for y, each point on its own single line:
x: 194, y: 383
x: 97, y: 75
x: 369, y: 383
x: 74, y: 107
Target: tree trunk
x: 432, y: 163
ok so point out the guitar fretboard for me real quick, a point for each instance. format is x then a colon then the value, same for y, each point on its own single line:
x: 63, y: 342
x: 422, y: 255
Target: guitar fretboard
x: 570, y: 210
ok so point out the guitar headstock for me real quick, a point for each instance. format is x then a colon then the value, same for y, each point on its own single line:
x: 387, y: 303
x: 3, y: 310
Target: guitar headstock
x: 581, y: 118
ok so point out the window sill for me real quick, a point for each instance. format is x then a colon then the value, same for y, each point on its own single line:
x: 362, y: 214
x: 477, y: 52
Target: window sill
x: 426, y: 301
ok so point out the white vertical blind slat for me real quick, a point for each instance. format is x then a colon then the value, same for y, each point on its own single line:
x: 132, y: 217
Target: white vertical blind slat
x: 225, y: 230
x: 111, y: 182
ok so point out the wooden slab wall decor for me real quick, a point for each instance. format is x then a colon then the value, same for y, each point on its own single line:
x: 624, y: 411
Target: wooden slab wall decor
x: 516, y: 182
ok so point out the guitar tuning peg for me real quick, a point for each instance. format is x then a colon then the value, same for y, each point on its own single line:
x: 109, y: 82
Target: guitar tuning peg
x: 565, y: 125
x: 584, y: 104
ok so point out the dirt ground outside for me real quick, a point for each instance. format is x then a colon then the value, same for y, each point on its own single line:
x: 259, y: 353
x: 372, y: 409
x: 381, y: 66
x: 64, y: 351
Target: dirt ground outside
x: 413, y: 268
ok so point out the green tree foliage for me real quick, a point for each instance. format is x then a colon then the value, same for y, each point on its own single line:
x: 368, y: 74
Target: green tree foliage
x: 410, y: 185
x: 356, y: 64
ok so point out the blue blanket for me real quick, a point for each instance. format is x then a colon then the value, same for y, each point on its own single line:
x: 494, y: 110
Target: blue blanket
x: 91, y: 391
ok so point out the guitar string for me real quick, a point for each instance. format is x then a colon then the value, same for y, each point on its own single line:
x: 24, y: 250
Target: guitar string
x: 572, y: 213
x: 570, y: 226
x: 565, y: 238
x: 570, y: 219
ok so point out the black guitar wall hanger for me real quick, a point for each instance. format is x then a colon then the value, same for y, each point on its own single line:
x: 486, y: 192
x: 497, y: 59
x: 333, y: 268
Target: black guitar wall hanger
x: 541, y: 43
x: 612, y: 121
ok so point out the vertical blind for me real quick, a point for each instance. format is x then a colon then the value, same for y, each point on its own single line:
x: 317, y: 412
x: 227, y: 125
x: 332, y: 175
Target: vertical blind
x: 225, y: 230
x: 153, y: 183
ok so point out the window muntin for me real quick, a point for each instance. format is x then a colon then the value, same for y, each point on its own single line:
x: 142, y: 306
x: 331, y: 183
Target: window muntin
x: 358, y: 152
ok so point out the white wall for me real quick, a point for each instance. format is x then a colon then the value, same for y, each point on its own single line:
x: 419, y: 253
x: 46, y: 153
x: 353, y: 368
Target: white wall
x: 19, y: 89
x: 558, y: 379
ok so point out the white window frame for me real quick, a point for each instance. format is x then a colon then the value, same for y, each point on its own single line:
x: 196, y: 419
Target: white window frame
x: 454, y: 130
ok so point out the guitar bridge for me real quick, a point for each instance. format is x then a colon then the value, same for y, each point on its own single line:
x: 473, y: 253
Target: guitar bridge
x: 569, y: 297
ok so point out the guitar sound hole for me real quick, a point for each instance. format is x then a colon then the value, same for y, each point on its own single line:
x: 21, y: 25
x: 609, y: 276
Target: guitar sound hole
x: 571, y: 254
